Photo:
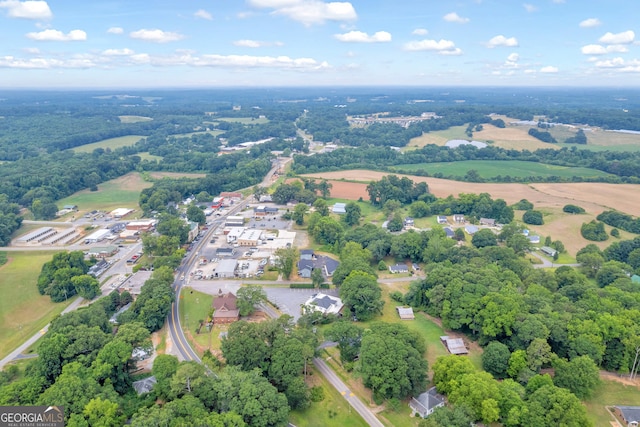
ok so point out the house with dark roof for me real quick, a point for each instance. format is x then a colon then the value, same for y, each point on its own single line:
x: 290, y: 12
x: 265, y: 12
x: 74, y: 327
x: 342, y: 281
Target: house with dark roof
x: 442, y: 219
x: 306, y: 253
x: 225, y: 308
x: 426, y: 403
x: 308, y: 261
x: 629, y: 414
x: 449, y: 232
x: 325, y: 304
x: 145, y: 385
x: 398, y: 268
x: 305, y: 267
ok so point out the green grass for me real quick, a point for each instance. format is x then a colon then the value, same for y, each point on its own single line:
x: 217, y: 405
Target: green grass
x: 333, y: 411
x: 149, y: 157
x: 134, y: 119
x: 210, y: 132
x: 23, y: 311
x: 195, y: 306
x: 492, y: 168
x: 122, y: 141
x: 607, y: 394
x: 121, y: 192
x: 244, y: 120
x: 401, y: 418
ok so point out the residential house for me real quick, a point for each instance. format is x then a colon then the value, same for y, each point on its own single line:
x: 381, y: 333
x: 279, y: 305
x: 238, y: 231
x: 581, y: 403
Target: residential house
x: 426, y: 403
x: 548, y: 251
x: 534, y: 239
x: 442, y: 219
x: 629, y: 414
x: 225, y: 308
x: 489, y: 222
x: 145, y: 385
x: 266, y: 198
x: 471, y: 229
x: 449, y: 232
x: 398, y: 268
x: 325, y: 304
x: 305, y: 267
x: 408, y: 222
x: 458, y: 218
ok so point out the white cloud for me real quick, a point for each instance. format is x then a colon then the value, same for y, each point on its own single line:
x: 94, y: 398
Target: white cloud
x: 115, y: 30
x: 156, y: 36
x: 501, y: 40
x: 58, y: 36
x: 549, y: 69
x: 32, y: 50
x: 361, y: 37
x: 420, y: 32
x: 203, y: 14
x: 309, y: 12
x: 118, y: 52
x: 45, y: 63
x: 246, y: 61
x: 454, y: 17
x: 255, y: 43
x: 624, y: 37
x: 27, y: 9
x: 529, y: 7
x: 590, y: 23
x: 513, y: 57
x: 593, y: 49
x: 617, y: 48
x: 442, y: 47
x: 611, y: 63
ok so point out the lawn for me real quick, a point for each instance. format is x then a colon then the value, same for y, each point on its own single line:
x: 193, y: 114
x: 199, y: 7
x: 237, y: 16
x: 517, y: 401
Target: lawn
x: 194, y: 307
x: 332, y: 411
x: 491, y: 168
x: 122, y: 192
x: 113, y: 143
x: 23, y: 311
x: 607, y: 394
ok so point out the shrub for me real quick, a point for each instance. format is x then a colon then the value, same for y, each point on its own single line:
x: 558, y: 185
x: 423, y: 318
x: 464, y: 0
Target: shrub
x: 594, y: 231
x: 573, y: 209
x: 301, y: 286
x: 533, y: 217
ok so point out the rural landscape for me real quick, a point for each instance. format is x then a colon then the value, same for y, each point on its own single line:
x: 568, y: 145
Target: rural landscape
x: 322, y: 257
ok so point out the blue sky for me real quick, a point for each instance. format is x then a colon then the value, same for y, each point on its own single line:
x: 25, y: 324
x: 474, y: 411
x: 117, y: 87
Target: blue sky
x: 212, y: 43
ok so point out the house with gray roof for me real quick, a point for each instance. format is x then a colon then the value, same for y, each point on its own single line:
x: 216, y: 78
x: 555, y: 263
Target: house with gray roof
x: 325, y: 304
x: 629, y: 414
x: 398, y: 268
x: 145, y: 385
x: 339, y: 208
x: 426, y: 403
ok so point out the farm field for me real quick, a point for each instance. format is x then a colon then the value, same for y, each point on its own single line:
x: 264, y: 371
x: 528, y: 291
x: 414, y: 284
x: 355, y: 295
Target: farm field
x: 547, y: 197
x: 492, y: 168
x: 23, y: 311
x: 122, y: 141
x: 134, y: 119
x: 123, y: 192
x: 518, y: 138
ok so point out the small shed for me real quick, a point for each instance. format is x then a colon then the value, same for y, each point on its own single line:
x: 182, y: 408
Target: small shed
x: 405, y: 313
x: 548, y: 251
x: 454, y: 345
x: 339, y: 208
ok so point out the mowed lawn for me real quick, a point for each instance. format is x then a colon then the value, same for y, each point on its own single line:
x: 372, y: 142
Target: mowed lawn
x: 610, y: 393
x: 122, y: 192
x: 492, y: 168
x: 23, y: 311
x: 113, y: 143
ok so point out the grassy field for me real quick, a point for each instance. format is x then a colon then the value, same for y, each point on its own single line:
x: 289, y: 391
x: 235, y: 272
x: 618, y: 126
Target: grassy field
x: 113, y: 143
x: 244, y: 120
x: 194, y: 307
x: 610, y: 393
x: 149, y: 157
x: 23, y: 311
x: 123, y: 192
x: 333, y: 411
x: 492, y: 168
x: 134, y: 119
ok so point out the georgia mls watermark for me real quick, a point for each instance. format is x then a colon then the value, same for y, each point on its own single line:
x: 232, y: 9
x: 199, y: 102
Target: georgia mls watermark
x: 31, y: 416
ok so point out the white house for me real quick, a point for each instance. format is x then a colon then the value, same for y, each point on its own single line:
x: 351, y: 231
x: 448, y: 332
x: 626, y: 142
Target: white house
x: 325, y: 304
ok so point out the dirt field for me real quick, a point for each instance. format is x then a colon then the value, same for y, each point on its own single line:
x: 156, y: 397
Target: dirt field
x: 547, y: 197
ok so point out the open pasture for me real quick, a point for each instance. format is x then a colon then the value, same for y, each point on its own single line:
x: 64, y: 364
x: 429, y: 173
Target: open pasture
x: 23, y: 311
x: 134, y: 119
x: 491, y: 168
x: 112, y: 143
x: 122, y: 192
x: 244, y: 120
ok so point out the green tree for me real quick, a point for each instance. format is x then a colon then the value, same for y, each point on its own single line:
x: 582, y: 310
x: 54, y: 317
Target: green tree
x: 195, y: 214
x: 86, y: 286
x: 112, y: 363
x: 581, y: 375
x: 189, y: 377
x: 248, y: 297
x: 246, y: 345
x: 551, y: 406
x: 518, y: 367
x: 285, y: 260
x: 348, y: 336
x: 448, y: 369
x: 102, y: 413
x: 317, y: 278
x: 299, y: 211
x: 495, y: 359
x: 478, y: 391
x: 539, y: 354
x: 164, y: 368
x: 483, y: 238
x: 361, y: 294
x: 352, y: 214
x: 321, y: 206
x: 533, y: 217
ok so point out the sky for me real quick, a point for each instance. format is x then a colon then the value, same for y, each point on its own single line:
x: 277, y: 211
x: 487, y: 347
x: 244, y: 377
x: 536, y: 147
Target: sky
x: 226, y: 43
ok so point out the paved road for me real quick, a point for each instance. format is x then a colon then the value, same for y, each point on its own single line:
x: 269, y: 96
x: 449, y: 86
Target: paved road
x: 366, y: 413
x: 548, y: 264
